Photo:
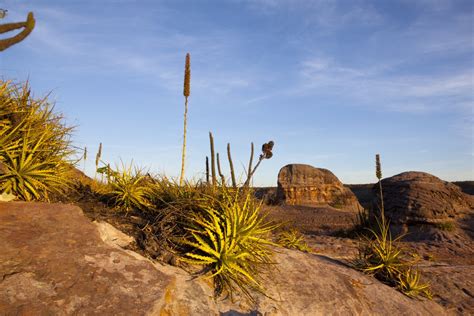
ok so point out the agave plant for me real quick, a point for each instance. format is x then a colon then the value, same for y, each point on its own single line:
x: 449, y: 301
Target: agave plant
x: 231, y: 242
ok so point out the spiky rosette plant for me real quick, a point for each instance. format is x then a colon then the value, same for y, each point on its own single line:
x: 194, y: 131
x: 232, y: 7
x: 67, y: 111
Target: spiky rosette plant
x: 34, y: 145
x: 127, y: 187
x: 409, y: 283
x: 25, y: 174
x: 231, y: 242
x: 382, y: 256
x: 293, y: 239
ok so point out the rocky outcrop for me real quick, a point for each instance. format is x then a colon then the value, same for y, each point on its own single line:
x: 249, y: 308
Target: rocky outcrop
x: 421, y: 198
x: 55, y: 262
x: 300, y: 184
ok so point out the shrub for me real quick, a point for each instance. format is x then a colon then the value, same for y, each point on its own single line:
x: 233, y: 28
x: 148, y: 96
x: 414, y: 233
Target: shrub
x: 34, y: 145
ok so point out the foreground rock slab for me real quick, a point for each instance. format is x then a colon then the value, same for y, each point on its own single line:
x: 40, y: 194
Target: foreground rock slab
x: 54, y: 261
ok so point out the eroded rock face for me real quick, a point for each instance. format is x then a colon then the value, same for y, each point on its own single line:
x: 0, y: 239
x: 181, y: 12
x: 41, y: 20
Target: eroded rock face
x: 55, y: 262
x: 421, y: 198
x: 300, y: 184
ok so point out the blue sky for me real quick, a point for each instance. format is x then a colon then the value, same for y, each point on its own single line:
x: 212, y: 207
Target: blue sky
x: 331, y: 82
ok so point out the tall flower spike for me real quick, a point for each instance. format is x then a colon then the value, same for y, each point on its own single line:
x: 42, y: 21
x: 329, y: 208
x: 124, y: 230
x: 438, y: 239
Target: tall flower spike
x: 378, y: 168
x: 186, y: 93
x: 187, y: 76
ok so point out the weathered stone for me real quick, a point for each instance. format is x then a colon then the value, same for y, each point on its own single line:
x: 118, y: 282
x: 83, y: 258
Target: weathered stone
x: 421, y: 198
x: 112, y: 236
x: 300, y: 184
x: 53, y: 261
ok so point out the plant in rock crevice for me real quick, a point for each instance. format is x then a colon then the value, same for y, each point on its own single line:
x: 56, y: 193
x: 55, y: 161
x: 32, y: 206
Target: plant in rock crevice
x: 231, y: 241
x: 293, y: 239
x: 127, y: 187
x: 381, y: 255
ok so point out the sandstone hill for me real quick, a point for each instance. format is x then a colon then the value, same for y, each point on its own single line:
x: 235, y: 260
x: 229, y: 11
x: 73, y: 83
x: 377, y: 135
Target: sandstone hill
x: 421, y: 198
x: 54, y: 261
x: 300, y: 184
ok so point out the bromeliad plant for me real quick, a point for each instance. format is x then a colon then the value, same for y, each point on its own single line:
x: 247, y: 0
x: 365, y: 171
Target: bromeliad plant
x: 24, y: 174
x: 231, y: 242
x: 409, y: 283
x: 293, y: 239
x: 381, y: 255
x: 127, y: 188
x: 34, y: 145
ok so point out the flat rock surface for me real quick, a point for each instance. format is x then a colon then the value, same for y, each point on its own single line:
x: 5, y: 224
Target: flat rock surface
x: 54, y: 262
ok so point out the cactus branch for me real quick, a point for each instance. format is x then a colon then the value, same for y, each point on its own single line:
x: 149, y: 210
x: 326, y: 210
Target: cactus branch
x: 28, y: 26
x: 231, y: 165
x: 249, y: 172
x: 219, y: 170
x: 207, y: 170
x: 213, y: 162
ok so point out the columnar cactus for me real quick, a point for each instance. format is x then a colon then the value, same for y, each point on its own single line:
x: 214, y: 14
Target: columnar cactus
x: 28, y: 26
x: 231, y: 165
x: 213, y: 162
x: 220, y: 171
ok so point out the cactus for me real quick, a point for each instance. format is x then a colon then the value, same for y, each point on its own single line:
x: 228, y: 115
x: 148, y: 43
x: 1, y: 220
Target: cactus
x: 249, y: 172
x: 97, y: 159
x: 186, y: 93
x: 28, y: 26
x: 220, y: 171
x: 231, y: 165
x: 84, y: 157
x: 207, y: 170
x: 213, y: 163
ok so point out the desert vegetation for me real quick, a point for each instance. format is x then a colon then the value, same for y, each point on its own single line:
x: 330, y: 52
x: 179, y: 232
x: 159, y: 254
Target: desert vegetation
x: 218, y: 229
x: 382, y: 256
x: 35, y: 147
x: 215, y: 227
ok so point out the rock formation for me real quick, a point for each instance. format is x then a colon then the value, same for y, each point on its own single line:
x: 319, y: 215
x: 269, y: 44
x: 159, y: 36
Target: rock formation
x: 300, y: 184
x: 421, y: 198
x: 55, y: 261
